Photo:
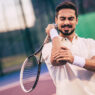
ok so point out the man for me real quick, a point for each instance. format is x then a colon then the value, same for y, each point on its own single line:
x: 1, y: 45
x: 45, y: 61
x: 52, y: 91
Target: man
x: 69, y: 58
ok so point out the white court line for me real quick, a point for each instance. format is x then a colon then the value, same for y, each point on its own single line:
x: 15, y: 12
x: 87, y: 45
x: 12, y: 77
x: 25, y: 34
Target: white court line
x: 44, y: 76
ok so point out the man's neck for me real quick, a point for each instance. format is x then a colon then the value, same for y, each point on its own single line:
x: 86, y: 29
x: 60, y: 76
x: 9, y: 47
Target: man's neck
x: 70, y: 37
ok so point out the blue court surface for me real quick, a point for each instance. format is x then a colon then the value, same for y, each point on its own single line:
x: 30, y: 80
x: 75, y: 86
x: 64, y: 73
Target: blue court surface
x: 14, y: 77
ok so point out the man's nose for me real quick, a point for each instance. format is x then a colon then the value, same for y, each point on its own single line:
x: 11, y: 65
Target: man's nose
x: 66, y: 22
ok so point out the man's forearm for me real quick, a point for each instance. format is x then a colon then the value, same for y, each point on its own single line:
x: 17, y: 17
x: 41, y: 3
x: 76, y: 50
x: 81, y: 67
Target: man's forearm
x: 55, y: 48
x: 90, y: 64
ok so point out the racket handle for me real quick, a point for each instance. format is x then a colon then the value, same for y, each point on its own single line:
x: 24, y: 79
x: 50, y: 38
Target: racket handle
x: 47, y: 37
x: 56, y: 26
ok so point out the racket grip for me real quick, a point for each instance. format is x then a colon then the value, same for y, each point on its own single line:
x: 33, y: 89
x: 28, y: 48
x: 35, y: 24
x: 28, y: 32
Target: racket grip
x: 56, y: 26
x: 47, y: 37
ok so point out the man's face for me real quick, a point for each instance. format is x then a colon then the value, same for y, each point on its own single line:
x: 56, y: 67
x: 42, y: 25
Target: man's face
x: 66, y: 20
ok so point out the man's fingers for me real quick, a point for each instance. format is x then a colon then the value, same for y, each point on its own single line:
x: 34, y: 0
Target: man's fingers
x: 60, y: 53
x: 48, y: 28
x: 63, y: 59
x: 64, y: 48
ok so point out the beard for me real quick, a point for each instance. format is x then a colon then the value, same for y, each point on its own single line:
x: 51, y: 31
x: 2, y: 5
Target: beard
x: 66, y: 32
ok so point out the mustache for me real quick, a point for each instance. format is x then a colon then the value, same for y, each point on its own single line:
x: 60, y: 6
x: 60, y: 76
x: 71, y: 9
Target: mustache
x: 69, y: 26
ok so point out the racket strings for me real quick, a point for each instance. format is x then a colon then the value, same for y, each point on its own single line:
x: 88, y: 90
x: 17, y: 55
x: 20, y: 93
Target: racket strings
x: 30, y: 72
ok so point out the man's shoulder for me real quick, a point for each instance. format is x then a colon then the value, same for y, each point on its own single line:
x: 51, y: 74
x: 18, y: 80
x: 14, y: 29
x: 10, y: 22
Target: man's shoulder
x: 88, y: 40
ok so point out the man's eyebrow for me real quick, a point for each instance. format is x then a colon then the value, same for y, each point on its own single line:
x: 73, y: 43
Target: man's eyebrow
x: 65, y: 17
x: 71, y: 17
x: 62, y: 17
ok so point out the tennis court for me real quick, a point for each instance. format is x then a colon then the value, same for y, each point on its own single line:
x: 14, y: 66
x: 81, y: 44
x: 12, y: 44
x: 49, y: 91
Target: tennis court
x: 45, y: 87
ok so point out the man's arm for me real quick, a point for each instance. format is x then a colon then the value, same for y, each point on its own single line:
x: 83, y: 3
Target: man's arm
x: 56, y: 50
x: 90, y: 64
x: 56, y: 45
x: 60, y: 55
x: 65, y: 54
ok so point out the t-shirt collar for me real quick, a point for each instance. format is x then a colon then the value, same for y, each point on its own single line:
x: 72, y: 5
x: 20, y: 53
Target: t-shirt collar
x: 65, y: 38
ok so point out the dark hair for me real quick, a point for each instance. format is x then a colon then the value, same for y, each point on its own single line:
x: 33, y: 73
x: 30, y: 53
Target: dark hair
x: 66, y: 5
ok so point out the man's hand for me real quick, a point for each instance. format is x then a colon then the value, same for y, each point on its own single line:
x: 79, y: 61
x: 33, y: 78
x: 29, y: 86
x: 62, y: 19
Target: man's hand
x: 48, y: 28
x: 64, y: 54
x: 61, y: 55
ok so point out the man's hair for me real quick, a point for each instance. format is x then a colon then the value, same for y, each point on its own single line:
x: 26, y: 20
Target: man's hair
x: 66, y: 5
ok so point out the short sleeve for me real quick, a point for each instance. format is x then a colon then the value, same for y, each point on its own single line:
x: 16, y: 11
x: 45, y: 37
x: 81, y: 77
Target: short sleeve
x: 91, y: 45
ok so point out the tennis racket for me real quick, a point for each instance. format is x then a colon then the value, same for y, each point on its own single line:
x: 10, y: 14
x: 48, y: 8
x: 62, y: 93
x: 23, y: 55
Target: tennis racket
x: 30, y: 70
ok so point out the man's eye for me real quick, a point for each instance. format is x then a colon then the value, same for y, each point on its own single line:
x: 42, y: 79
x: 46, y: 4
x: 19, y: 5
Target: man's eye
x: 71, y: 18
x: 63, y: 18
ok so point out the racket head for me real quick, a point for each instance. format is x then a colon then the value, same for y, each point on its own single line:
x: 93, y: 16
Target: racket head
x: 34, y: 58
x: 30, y: 72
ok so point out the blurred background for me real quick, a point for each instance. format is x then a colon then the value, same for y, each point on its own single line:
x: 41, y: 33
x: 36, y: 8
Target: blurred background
x: 22, y: 29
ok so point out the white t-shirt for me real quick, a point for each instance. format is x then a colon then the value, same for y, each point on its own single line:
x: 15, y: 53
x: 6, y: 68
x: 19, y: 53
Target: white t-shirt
x: 70, y: 79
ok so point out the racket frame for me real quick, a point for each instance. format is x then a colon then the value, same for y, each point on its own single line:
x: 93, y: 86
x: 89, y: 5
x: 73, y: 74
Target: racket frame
x: 39, y: 51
